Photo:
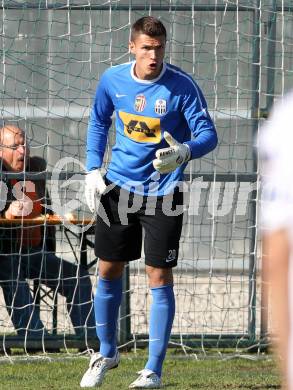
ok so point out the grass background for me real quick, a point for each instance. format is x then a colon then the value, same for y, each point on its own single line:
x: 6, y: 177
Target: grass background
x: 179, y: 373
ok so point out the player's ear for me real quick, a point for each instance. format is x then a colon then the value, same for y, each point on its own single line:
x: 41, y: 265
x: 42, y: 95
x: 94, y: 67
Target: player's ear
x: 131, y: 47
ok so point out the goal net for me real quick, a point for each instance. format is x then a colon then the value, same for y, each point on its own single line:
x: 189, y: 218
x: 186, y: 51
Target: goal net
x: 53, y: 54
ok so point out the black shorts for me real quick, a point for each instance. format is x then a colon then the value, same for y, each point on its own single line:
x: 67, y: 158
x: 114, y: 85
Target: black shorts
x: 118, y: 233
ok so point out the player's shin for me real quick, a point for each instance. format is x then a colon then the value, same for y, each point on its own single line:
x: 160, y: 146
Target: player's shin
x: 161, y: 320
x: 107, y: 302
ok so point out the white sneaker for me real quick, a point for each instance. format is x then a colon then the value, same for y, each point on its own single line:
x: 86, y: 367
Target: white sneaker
x: 98, y: 367
x: 147, y: 380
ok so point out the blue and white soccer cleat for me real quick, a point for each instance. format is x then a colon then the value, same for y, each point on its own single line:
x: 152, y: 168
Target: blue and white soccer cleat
x: 147, y: 380
x: 98, y: 367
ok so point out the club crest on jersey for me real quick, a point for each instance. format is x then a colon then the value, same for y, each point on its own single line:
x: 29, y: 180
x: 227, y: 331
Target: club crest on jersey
x: 140, y: 103
x: 161, y: 106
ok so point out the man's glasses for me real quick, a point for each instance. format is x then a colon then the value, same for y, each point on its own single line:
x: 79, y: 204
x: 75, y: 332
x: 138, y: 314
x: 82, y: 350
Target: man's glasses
x: 12, y: 147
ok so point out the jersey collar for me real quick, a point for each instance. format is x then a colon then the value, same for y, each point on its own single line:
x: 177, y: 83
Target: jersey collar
x: 147, y: 81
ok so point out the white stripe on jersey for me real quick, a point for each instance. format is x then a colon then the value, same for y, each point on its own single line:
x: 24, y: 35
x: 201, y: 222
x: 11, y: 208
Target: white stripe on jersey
x: 189, y: 79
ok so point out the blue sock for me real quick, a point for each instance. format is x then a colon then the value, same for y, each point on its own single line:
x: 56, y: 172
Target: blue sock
x: 161, y: 320
x: 107, y: 301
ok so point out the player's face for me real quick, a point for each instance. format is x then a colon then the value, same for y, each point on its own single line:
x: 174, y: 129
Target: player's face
x: 13, y: 149
x: 149, y: 54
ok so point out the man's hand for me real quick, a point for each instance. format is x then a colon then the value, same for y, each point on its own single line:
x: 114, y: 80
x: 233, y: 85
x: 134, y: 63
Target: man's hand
x: 168, y: 159
x: 19, y: 208
x: 94, y: 187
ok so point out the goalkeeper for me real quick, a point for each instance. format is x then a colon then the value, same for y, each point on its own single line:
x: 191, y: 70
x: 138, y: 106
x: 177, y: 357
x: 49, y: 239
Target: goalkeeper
x: 158, y: 108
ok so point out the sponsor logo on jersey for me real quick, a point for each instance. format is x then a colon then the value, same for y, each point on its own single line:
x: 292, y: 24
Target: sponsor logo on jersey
x: 140, y: 103
x: 141, y: 128
x: 171, y: 256
x: 161, y: 106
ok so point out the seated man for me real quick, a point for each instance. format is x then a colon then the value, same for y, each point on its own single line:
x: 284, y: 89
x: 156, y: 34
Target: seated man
x: 18, y: 299
x: 33, y: 247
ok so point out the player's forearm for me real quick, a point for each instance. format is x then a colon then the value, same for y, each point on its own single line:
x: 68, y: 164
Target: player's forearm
x: 96, y: 145
x: 205, y: 142
x: 94, y: 159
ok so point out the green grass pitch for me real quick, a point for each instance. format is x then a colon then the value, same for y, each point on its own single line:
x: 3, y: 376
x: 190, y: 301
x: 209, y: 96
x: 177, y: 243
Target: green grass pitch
x: 179, y: 373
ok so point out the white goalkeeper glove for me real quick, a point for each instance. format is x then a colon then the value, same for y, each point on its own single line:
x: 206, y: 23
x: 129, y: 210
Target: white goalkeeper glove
x: 94, y: 187
x: 168, y: 159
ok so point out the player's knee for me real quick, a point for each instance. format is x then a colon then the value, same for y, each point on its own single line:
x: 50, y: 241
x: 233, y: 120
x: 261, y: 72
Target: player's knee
x: 111, y: 270
x: 159, y: 276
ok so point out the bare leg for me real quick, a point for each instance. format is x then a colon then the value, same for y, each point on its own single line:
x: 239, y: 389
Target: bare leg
x: 276, y: 267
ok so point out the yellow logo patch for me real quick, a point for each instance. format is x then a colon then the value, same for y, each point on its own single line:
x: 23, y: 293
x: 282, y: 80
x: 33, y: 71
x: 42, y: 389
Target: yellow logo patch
x: 141, y: 128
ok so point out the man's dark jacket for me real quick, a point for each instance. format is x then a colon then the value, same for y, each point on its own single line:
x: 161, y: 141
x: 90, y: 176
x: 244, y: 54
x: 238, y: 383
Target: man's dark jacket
x: 8, y: 232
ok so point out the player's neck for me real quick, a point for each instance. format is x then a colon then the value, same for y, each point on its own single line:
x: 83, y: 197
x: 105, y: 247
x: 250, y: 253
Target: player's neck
x: 142, y: 76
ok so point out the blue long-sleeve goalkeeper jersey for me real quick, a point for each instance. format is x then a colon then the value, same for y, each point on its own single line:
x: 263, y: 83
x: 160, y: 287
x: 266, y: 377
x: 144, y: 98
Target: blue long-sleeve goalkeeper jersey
x: 144, y: 109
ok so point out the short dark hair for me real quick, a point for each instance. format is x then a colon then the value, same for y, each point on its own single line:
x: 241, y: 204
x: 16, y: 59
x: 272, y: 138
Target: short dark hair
x: 148, y: 25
